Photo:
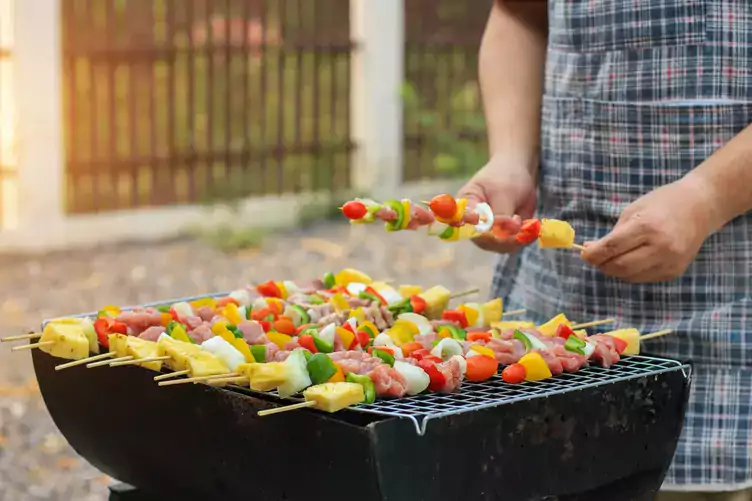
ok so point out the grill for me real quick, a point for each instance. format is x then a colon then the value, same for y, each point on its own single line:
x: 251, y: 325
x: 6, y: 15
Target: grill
x: 597, y: 434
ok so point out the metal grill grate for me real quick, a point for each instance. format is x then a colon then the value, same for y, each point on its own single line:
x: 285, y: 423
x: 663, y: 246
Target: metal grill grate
x: 421, y: 409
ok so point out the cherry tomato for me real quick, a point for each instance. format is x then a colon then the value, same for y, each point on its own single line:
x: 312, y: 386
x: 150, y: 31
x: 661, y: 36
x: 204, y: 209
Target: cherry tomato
x: 411, y: 347
x: 620, y: 345
x: 354, y: 210
x: 443, y: 206
x: 477, y: 336
x: 480, y: 368
x: 455, y: 316
x: 267, y: 326
x: 284, y: 326
x: 514, y: 373
x: 306, y: 341
x: 261, y: 314
x: 269, y: 289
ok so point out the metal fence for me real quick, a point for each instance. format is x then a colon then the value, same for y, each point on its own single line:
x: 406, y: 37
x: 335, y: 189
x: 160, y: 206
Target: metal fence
x: 180, y: 101
x: 444, y: 128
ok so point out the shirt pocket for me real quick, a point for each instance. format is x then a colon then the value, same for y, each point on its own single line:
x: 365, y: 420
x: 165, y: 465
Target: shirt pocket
x: 616, y: 25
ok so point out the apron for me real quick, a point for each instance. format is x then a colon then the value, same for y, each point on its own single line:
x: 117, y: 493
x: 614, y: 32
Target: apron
x: 637, y: 93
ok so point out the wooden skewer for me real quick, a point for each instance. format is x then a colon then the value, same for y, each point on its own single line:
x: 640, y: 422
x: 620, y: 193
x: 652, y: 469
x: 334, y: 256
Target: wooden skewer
x: 593, y: 323
x: 464, y: 293
x: 106, y: 362
x: 85, y: 360
x: 198, y: 379
x: 30, y: 335
x: 656, y: 334
x: 578, y: 247
x: 171, y: 375
x: 231, y: 380
x: 513, y: 312
x: 277, y: 410
x: 32, y: 346
x: 136, y: 361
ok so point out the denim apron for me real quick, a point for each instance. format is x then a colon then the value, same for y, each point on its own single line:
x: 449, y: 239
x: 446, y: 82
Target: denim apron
x: 638, y: 93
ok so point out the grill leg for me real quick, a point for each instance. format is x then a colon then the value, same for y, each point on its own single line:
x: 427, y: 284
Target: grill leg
x: 125, y: 492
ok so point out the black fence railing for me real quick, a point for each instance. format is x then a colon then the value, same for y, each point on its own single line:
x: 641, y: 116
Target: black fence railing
x: 181, y: 101
x: 444, y: 127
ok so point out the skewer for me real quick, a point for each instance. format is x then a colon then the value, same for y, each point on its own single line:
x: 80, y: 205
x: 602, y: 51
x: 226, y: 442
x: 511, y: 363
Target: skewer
x: 513, y: 312
x: 30, y: 335
x: 139, y: 361
x: 171, y: 375
x: 32, y: 346
x: 578, y: 247
x: 231, y: 380
x: 656, y: 334
x: 468, y: 292
x: 593, y: 323
x: 198, y: 379
x: 85, y: 360
x: 277, y: 410
x: 106, y: 362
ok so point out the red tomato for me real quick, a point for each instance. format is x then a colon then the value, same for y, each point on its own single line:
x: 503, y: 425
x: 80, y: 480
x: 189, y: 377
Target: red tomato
x: 480, y: 368
x: 269, y: 289
x: 531, y: 226
x: 363, y: 338
x: 306, y: 341
x: 478, y: 336
x: 418, y: 304
x: 513, y: 374
x: 437, y: 379
x: 525, y: 238
x: 443, y: 206
x: 455, y: 316
x: 354, y: 210
x: 261, y: 314
x: 620, y: 345
x: 284, y: 326
x: 267, y: 326
x: 564, y: 331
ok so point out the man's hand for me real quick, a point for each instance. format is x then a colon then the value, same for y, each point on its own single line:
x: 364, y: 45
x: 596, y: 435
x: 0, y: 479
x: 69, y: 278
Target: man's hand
x: 509, y: 188
x: 657, y: 236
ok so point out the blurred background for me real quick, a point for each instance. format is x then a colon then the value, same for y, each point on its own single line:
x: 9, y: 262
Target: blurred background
x: 152, y: 149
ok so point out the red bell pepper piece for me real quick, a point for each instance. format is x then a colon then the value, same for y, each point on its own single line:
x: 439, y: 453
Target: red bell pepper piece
x: 269, y: 289
x: 409, y: 348
x: 437, y: 378
x: 364, y: 339
x: 378, y: 296
x: 564, y: 331
x: 457, y: 316
x: 284, y: 326
x: 418, y: 304
x: 304, y: 327
x: 479, y: 336
x: 261, y: 314
x: 174, y: 315
x: 105, y: 326
x: 348, y: 326
x: 306, y: 341
x: 529, y: 231
x: 355, y: 343
x: 266, y: 325
x: 620, y: 345
x: 387, y: 349
x: 423, y: 354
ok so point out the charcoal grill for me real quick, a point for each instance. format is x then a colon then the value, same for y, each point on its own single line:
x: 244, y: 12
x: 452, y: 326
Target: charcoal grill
x: 595, y: 435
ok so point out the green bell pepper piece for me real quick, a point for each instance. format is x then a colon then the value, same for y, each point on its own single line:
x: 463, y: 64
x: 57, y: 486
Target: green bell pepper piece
x: 385, y: 356
x: 235, y: 331
x: 259, y: 353
x: 575, y: 345
x: 369, y: 389
x: 321, y: 345
x: 397, y: 206
x: 520, y: 336
x: 164, y: 308
x: 321, y: 368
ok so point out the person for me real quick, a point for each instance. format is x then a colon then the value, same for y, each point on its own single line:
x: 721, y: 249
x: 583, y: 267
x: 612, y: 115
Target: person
x: 630, y: 120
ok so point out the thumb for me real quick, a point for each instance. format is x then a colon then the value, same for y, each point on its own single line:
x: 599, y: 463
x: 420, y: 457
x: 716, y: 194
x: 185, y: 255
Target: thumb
x: 506, y: 224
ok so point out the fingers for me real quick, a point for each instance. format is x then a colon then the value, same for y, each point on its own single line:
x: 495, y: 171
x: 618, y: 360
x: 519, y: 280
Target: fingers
x: 624, y: 238
x: 632, y: 264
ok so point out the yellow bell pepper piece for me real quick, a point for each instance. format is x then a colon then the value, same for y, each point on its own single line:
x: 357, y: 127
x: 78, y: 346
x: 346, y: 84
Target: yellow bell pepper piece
x: 111, y: 310
x: 509, y: 325
x: 444, y: 333
x: 555, y: 234
x: 631, y: 337
x: 339, y: 303
x: 493, y: 311
x: 166, y: 319
x: 409, y: 290
x: 409, y: 326
x: 549, y: 328
x: 400, y: 334
x: 535, y: 367
x: 349, y: 275
x: 358, y: 314
x: 221, y: 330
x: 471, y: 314
x: 275, y: 304
x: 406, y: 208
x: 231, y: 313
x: 205, y: 301
x: 483, y: 350
x: 178, y: 333
x: 338, y: 376
x: 279, y: 339
x: 368, y: 326
x: 243, y: 348
x: 282, y: 289
x: 346, y: 336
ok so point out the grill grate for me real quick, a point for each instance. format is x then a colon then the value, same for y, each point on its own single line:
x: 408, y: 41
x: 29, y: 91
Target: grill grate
x: 420, y: 409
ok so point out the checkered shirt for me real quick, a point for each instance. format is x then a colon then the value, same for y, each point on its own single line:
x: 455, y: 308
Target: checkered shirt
x: 608, y: 137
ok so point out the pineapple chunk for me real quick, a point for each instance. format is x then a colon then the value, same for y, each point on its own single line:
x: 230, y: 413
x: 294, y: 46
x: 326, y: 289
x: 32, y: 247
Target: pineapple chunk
x: 511, y: 325
x: 549, y: 328
x: 205, y: 364
x: 535, y: 367
x: 437, y: 300
x: 141, y: 348
x: 629, y: 336
x: 265, y: 377
x: 331, y: 397
x: 70, y: 341
x: 88, y: 327
x: 409, y: 290
x: 555, y: 233
x: 492, y: 311
x: 118, y: 344
x: 178, y: 351
x: 581, y: 333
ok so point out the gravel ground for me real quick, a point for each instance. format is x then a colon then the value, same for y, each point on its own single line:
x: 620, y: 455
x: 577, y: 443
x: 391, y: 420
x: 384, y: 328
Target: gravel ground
x: 35, y: 460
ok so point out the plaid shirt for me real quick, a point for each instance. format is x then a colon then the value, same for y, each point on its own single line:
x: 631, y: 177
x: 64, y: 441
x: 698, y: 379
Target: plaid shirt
x: 608, y: 137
